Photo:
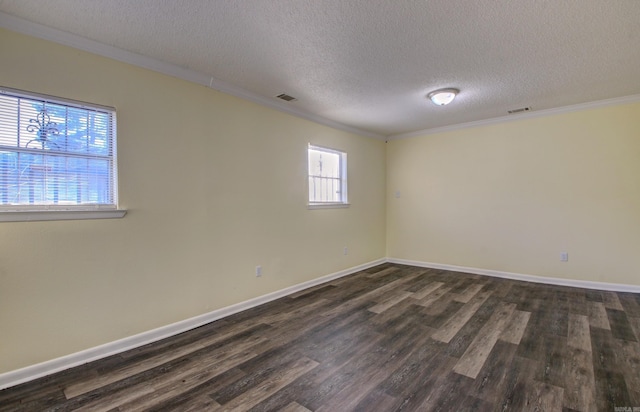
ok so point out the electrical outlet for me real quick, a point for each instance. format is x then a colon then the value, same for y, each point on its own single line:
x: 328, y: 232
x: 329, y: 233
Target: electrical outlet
x: 346, y: 251
x: 564, y: 257
x: 258, y: 271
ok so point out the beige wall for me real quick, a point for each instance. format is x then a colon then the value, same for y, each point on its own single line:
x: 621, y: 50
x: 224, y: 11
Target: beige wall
x: 214, y: 185
x: 513, y: 196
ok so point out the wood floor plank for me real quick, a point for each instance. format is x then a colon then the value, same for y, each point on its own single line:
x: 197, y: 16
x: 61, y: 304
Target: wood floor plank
x: 491, y: 379
x: 447, y: 393
x: 423, y: 278
x: 273, y: 384
x: 408, y: 372
x: 314, y: 292
x: 474, y: 357
x: 516, y: 385
x: 313, y: 387
x: 552, y: 360
x: 320, y: 393
x: 559, y: 316
x: 383, y: 272
x: 286, y: 316
x: 199, y: 395
x: 521, y: 294
x: 598, y: 317
x: 295, y: 407
x: 461, y: 284
x: 577, y: 301
x: 389, y: 338
x: 414, y: 393
x: 440, y: 312
x: 620, y: 327
x: 579, y: 334
x: 257, y: 371
x: 146, y: 364
x: 427, y: 290
x: 501, y: 288
x: 594, y: 295
x: 389, y: 302
x: 400, y: 317
x: 516, y: 326
x: 457, y: 321
x: 635, y: 396
x: 468, y: 293
x: 579, y: 382
x: 352, y: 393
x: 197, y: 404
x: 461, y: 341
x: 443, y: 308
x: 629, y: 355
x: 608, y: 365
x: 540, y: 396
x: 634, y: 322
x: 369, y: 296
x: 318, y: 327
x: 611, y: 301
x: 432, y: 297
x: 107, y: 403
x: 48, y: 393
x: 376, y: 401
x: 472, y: 404
x: 190, y: 374
x: 630, y: 304
x: 439, y: 305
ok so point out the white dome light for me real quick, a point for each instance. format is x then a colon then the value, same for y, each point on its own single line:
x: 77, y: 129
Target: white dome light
x: 443, y: 96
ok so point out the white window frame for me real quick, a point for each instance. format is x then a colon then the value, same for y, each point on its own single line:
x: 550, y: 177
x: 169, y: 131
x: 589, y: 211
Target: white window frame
x: 315, y: 204
x: 39, y: 212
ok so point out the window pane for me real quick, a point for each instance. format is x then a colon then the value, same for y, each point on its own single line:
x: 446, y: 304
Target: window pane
x: 325, y: 176
x: 41, y: 179
x: 324, y: 164
x: 9, y: 121
x: 54, y: 154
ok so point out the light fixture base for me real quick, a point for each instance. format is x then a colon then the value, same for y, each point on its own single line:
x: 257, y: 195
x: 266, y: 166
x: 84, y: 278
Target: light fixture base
x: 442, y: 97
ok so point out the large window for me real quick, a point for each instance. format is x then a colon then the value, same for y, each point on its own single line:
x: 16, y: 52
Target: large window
x: 327, y: 177
x: 55, y: 154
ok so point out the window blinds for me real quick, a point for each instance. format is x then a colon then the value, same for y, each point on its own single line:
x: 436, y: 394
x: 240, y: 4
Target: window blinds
x: 55, y: 153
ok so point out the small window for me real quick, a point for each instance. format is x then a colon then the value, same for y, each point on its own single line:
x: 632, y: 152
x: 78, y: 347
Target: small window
x: 327, y: 177
x: 55, y: 154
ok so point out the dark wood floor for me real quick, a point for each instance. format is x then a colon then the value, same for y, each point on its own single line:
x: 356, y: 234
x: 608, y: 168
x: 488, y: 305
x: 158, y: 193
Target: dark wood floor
x: 391, y: 338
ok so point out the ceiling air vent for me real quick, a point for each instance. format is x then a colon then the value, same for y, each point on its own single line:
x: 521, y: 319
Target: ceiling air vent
x: 286, y: 98
x: 520, y: 110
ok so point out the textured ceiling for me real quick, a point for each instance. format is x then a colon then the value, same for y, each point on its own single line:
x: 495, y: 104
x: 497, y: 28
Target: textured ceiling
x: 368, y: 64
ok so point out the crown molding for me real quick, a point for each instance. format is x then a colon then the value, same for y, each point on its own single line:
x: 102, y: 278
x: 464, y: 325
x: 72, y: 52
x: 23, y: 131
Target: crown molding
x: 635, y: 98
x: 22, y: 26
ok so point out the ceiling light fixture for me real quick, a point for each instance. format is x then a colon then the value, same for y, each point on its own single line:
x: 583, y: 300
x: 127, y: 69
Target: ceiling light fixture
x: 442, y: 97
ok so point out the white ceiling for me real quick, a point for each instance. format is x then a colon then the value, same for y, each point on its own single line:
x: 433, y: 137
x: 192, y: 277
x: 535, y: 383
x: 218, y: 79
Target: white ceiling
x: 368, y: 64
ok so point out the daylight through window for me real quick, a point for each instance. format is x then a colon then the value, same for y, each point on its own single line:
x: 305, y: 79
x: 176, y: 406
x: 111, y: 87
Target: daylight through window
x: 327, y: 176
x: 55, y: 154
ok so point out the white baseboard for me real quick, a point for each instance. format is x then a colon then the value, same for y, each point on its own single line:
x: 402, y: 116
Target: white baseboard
x: 586, y: 284
x: 39, y: 370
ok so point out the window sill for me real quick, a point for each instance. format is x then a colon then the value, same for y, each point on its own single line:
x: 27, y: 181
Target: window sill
x: 328, y: 205
x: 32, y: 216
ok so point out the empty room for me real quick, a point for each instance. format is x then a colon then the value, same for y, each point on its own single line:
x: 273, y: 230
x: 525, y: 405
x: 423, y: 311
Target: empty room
x: 355, y: 205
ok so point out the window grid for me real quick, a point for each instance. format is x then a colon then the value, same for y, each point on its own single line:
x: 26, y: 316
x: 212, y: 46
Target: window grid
x: 55, y: 154
x: 327, y: 176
